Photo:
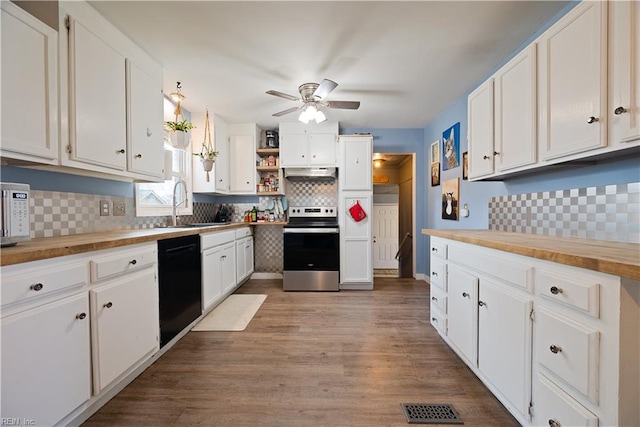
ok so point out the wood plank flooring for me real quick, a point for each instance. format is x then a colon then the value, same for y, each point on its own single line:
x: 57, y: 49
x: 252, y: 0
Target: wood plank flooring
x: 348, y: 358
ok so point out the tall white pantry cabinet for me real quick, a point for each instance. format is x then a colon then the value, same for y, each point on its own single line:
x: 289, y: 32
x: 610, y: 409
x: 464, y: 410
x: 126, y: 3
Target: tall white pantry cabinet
x: 356, y: 186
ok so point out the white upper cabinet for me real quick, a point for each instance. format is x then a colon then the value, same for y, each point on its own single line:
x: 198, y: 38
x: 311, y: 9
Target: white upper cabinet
x: 355, y: 162
x: 515, y: 111
x: 111, y: 99
x: 311, y: 145
x: 624, y: 73
x: 29, y: 87
x: 145, y: 139
x: 572, y: 84
x: 480, y: 116
x: 97, y: 97
x: 243, y: 141
x: 221, y: 145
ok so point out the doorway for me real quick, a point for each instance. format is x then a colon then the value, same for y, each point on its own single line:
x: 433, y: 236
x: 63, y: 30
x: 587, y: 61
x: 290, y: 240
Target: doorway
x: 393, y: 214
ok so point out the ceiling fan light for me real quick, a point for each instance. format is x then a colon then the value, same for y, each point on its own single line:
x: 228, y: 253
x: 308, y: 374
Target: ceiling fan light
x: 320, y: 117
x: 304, y: 117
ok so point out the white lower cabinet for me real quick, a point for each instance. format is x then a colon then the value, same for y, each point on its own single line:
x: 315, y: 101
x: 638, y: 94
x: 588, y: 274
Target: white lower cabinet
x: 228, y: 267
x: 124, y: 325
x: 557, y: 345
x: 244, y: 258
x: 46, y: 367
x: 211, y: 280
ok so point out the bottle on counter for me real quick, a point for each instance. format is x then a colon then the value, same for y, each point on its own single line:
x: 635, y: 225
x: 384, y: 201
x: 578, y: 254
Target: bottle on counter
x: 254, y: 214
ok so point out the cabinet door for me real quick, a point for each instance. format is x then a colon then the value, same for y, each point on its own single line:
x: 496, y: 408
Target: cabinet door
x: 624, y: 78
x: 46, y: 364
x: 241, y: 263
x: 211, y: 276
x: 29, y: 87
x: 504, y: 342
x: 221, y: 145
x: 125, y: 325
x: 293, y: 150
x: 480, y: 114
x: 355, y: 165
x: 322, y: 149
x: 248, y: 255
x: 515, y: 111
x: 573, y: 82
x: 243, y: 165
x: 97, y: 125
x: 146, y: 147
x: 228, y: 262
x: 356, y: 241
x: 463, y: 313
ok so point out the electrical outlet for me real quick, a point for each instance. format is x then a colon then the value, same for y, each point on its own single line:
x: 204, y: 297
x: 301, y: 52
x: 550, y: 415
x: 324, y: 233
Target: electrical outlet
x: 104, y: 208
x: 119, y: 208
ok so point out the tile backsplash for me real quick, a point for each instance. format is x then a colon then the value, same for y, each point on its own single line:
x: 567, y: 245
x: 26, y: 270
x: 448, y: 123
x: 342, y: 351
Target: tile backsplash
x: 610, y: 212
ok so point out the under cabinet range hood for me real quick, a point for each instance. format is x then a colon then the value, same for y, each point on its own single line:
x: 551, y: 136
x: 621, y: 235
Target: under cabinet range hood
x: 310, y: 174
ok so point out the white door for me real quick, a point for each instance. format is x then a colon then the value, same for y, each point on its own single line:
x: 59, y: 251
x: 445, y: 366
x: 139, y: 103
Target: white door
x: 228, y: 263
x: 211, y: 276
x: 385, y: 235
x: 322, y: 149
x: 221, y: 145
x: 356, y: 162
x: 481, y: 138
x: 243, y: 166
x: 463, y: 313
x: 293, y: 150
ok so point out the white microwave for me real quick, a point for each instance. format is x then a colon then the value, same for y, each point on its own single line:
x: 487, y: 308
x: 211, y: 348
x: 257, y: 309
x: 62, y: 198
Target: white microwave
x: 16, y: 222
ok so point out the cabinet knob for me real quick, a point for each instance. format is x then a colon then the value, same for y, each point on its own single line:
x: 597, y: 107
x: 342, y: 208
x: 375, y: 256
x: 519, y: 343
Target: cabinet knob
x: 465, y: 295
x: 149, y: 133
x: 592, y: 120
x: 133, y: 262
x: 120, y: 151
x: 108, y: 305
x: 555, y: 290
x: 433, y: 319
x: 37, y: 286
x: 619, y: 111
x: 555, y: 349
x: 554, y: 423
x: 81, y: 316
x: 481, y: 303
x: 434, y: 299
x: 303, y: 156
x: 495, y: 153
x: 434, y: 249
x: 138, y: 156
x: 433, y: 273
x: 486, y: 157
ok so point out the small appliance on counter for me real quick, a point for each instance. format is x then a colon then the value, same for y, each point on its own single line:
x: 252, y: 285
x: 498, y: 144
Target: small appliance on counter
x: 224, y: 214
x: 16, y: 222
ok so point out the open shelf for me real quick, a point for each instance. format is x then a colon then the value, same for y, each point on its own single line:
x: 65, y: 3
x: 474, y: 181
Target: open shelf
x: 268, y: 150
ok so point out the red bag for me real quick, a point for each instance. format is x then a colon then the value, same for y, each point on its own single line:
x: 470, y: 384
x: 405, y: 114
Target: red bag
x: 357, y: 213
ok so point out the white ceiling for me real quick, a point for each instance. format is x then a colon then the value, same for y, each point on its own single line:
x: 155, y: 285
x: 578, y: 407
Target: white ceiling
x: 404, y: 61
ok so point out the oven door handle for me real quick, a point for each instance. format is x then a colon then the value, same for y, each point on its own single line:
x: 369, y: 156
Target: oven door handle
x: 310, y: 230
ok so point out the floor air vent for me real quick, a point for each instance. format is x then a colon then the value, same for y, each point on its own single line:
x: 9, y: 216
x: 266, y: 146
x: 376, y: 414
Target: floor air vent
x: 438, y: 413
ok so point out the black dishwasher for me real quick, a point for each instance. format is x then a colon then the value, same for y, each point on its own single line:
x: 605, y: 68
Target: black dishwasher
x: 180, y: 284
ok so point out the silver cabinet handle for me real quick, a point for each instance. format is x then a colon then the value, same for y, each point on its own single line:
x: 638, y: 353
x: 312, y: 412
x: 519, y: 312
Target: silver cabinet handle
x: 138, y: 156
x: 120, y: 151
x: 481, y: 303
x: 37, y: 287
x: 554, y: 423
x: 464, y: 294
x: 434, y: 299
x: 434, y: 249
x: 108, y: 305
x: 495, y: 153
x: 433, y: 273
x: 81, y: 316
x: 592, y: 120
x: 555, y: 349
x: 555, y: 290
x: 619, y: 111
x: 433, y: 319
x: 486, y: 157
x: 133, y: 262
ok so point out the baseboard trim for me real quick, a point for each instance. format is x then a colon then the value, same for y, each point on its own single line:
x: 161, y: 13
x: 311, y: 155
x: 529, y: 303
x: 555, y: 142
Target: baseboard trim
x: 422, y: 276
x: 356, y: 286
x: 264, y: 276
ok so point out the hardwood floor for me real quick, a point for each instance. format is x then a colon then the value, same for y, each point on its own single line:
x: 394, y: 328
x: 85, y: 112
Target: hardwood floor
x: 348, y: 358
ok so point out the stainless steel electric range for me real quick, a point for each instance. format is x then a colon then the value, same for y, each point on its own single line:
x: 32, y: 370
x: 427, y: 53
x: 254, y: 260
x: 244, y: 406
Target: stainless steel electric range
x: 311, y: 249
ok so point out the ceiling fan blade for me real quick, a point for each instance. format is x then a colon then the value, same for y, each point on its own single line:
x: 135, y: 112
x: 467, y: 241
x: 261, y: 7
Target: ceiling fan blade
x: 325, y: 88
x: 283, y: 95
x: 347, y: 105
x: 287, y: 111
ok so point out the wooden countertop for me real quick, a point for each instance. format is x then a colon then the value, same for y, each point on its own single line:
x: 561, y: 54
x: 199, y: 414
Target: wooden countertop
x: 51, y: 247
x: 620, y: 259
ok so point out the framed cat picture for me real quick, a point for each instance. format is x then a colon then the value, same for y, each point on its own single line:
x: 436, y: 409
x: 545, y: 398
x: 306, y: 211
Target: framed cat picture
x: 450, y: 198
x: 451, y: 147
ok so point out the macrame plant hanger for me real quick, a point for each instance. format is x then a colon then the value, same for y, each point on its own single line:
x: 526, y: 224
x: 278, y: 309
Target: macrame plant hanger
x: 207, y: 147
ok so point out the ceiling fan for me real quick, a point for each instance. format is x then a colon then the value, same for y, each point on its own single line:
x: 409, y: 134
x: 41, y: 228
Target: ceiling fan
x: 311, y: 96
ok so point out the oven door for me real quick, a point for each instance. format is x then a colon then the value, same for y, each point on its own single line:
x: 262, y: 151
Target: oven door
x: 311, y: 249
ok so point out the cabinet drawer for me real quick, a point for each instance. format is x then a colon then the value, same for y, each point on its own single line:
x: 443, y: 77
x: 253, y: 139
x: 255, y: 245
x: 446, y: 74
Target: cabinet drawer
x: 216, y: 238
x: 122, y: 262
x: 438, y: 320
x: 554, y: 407
x: 496, y: 263
x: 438, y: 299
x: 578, y: 292
x: 41, y: 281
x: 438, y: 275
x: 569, y: 350
x: 438, y: 248
x: 243, y: 232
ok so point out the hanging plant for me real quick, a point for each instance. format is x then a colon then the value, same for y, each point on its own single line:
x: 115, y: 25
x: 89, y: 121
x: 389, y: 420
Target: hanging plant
x: 207, y: 154
x: 178, y: 129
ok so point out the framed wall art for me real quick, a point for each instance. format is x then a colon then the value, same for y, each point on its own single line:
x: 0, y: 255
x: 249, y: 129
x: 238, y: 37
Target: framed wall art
x: 450, y: 198
x: 435, y: 152
x: 451, y: 147
x: 465, y: 165
x: 435, y: 174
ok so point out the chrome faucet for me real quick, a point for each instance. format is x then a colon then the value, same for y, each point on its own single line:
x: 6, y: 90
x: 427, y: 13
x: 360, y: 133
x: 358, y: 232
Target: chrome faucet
x: 174, y: 204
